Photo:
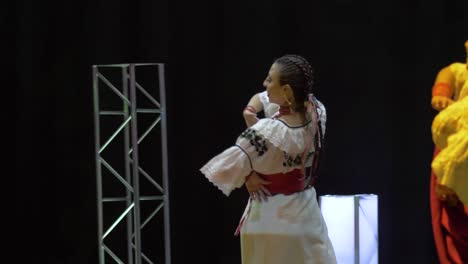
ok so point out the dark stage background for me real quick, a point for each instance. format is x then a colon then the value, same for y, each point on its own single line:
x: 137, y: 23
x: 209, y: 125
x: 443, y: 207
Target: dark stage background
x: 375, y: 64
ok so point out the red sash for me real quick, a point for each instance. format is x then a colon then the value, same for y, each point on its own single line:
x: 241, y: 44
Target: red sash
x: 285, y: 183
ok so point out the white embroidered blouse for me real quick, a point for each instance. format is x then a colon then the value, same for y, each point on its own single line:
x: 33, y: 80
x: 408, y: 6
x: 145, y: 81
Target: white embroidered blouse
x: 270, y: 146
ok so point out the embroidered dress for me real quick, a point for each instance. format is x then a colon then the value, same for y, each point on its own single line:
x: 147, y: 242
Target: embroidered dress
x: 288, y: 228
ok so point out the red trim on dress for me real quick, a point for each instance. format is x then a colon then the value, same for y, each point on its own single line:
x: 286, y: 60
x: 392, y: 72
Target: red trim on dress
x: 449, y: 226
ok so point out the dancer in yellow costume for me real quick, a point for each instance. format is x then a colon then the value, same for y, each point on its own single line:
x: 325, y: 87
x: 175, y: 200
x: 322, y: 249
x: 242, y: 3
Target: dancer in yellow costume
x: 449, y: 179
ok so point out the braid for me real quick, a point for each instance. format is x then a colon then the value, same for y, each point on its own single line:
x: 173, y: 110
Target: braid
x: 297, y: 72
x: 306, y: 69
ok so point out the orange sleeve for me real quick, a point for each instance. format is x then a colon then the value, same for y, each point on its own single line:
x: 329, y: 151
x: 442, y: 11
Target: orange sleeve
x: 442, y: 89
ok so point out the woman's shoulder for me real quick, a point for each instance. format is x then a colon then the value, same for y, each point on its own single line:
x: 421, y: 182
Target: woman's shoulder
x: 457, y: 65
x: 282, y: 135
x: 456, y: 68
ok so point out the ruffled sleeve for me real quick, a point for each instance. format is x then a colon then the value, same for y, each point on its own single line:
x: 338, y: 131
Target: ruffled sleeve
x: 460, y: 74
x: 228, y: 170
x: 270, y: 109
x: 263, y: 96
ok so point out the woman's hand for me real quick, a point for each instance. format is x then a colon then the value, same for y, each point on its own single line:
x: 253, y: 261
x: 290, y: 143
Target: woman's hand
x: 255, y: 186
x: 440, y: 102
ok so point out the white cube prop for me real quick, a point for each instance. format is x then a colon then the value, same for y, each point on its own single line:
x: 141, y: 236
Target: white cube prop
x: 352, y: 222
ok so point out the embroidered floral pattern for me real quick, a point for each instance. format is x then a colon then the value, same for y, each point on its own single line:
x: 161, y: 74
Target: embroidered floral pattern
x: 256, y: 140
x: 290, y: 161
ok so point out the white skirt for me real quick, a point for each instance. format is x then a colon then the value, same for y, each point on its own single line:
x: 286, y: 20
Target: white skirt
x: 287, y: 229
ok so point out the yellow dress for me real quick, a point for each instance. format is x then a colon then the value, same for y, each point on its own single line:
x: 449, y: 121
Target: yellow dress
x: 460, y: 85
x: 450, y: 135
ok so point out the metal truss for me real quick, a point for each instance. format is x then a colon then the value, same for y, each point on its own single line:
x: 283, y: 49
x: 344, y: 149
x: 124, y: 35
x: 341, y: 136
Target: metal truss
x: 130, y: 218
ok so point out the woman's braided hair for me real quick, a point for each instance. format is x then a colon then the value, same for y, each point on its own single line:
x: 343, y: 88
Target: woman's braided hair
x: 297, y: 72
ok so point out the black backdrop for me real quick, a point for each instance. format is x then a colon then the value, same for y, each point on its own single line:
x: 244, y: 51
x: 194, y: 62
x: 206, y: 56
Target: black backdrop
x: 375, y: 63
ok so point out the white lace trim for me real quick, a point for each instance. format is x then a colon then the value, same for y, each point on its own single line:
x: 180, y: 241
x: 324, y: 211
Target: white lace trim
x: 291, y: 139
x: 269, y: 109
x: 225, y: 188
x: 263, y: 96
